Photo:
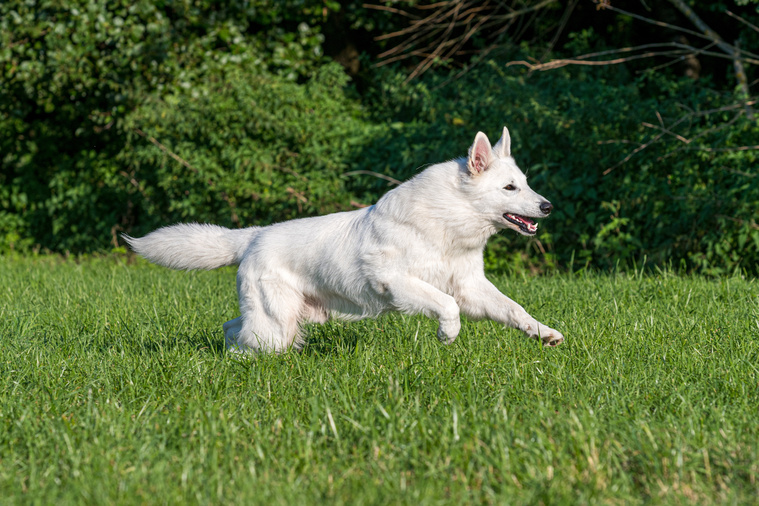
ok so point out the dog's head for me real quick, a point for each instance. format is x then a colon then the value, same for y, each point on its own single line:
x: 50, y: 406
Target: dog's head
x: 499, y: 189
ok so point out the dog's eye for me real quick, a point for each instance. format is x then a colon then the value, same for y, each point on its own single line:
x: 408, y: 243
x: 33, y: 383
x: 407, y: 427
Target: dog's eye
x: 510, y: 187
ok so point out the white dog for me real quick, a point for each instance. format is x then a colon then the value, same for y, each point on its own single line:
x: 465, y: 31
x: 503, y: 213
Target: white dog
x: 417, y: 250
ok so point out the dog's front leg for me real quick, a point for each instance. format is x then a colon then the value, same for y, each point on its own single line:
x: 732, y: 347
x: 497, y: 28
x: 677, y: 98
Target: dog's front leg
x: 413, y: 296
x: 481, y: 299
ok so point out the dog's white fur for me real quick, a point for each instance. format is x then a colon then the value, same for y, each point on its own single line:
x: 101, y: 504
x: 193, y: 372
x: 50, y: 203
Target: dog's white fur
x: 417, y: 250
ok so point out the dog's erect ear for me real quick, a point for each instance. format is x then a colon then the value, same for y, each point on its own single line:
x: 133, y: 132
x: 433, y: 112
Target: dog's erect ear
x: 480, y: 154
x: 502, y: 148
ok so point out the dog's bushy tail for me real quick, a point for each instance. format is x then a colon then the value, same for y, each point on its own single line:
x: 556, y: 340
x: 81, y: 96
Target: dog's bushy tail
x: 193, y: 245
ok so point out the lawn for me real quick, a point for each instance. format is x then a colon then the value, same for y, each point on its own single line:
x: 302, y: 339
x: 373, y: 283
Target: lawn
x: 115, y: 388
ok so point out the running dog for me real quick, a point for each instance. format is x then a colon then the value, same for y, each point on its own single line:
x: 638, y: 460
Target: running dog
x: 417, y: 250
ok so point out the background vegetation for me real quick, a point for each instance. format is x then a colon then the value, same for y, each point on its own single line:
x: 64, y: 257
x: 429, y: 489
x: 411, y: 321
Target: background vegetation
x: 124, y: 116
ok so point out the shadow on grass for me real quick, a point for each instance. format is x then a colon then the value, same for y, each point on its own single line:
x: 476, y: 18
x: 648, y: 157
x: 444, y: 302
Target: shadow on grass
x: 331, y: 338
x: 210, y: 341
x: 204, y: 340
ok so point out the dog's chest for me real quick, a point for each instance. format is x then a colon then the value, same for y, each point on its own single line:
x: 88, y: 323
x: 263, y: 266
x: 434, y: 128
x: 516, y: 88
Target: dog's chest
x: 447, y: 272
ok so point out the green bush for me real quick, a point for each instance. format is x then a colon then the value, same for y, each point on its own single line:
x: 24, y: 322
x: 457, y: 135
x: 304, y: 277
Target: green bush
x: 73, y: 75
x: 254, y: 149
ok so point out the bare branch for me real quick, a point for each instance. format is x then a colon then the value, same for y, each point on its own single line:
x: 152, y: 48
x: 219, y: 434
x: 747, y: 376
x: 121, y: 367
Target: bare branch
x: 562, y: 24
x: 673, y: 27
x: 669, y: 131
x: 733, y: 51
x: 390, y: 9
x: 699, y: 23
x: 389, y: 179
x: 723, y: 109
x: 681, y: 51
x: 449, y: 26
x: 739, y: 148
x: 666, y: 131
x: 435, y: 17
x: 654, y: 21
x: 166, y: 150
x: 750, y: 25
x: 751, y: 223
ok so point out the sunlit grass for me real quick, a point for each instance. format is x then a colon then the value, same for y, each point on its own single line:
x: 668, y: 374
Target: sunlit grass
x: 115, y: 388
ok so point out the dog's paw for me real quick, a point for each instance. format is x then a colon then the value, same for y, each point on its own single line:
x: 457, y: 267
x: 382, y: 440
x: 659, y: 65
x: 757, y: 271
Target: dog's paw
x: 552, y: 338
x: 448, y: 330
x: 546, y: 335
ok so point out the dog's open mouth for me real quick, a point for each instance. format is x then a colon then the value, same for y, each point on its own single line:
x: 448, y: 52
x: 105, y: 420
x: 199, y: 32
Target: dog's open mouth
x: 526, y: 225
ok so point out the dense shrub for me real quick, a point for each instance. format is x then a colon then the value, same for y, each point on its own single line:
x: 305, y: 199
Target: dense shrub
x: 73, y: 74
x: 254, y: 149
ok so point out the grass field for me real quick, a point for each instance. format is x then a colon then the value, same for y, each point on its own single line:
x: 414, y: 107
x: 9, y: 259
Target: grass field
x: 115, y: 388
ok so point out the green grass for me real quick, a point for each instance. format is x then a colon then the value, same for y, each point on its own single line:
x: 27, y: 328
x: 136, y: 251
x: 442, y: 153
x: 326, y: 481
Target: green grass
x: 115, y: 388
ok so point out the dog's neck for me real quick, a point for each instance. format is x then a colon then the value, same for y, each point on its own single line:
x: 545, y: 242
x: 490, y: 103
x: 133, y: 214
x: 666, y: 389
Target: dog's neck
x: 425, y: 204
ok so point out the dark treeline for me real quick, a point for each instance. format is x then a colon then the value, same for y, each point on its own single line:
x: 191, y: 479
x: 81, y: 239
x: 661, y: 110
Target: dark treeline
x: 635, y: 118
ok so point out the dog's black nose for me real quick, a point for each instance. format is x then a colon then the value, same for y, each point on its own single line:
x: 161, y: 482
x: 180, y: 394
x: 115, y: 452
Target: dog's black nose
x: 546, y: 207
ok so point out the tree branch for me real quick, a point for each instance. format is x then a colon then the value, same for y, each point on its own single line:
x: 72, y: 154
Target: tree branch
x: 442, y: 33
x: 733, y: 51
x: 389, y: 179
x: 166, y: 150
x: 750, y: 25
x: 681, y: 51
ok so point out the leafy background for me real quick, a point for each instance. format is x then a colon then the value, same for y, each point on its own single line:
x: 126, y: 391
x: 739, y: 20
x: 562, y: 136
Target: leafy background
x: 123, y: 117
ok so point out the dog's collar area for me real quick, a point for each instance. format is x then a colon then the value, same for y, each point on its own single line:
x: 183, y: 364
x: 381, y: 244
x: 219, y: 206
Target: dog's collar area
x: 526, y: 225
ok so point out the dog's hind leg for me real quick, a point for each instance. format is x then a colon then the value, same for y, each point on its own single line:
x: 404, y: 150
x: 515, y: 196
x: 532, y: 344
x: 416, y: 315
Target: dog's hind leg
x: 232, y: 329
x: 271, y: 312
